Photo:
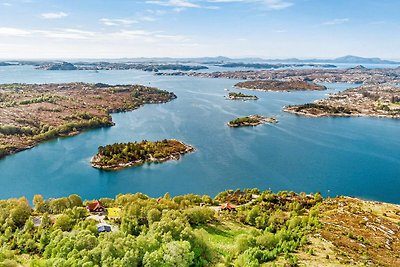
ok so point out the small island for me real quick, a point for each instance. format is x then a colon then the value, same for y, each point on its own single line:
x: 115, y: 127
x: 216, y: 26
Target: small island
x: 241, y: 96
x: 252, y: 120
x: 123, y: 155
x: 274, y: 85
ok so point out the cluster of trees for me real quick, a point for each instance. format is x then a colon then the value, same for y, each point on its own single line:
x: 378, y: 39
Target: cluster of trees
x: 155, y: 232
x: 244, y: 120
x: 240, y: 94
x: 16, y: 130
x: 282, y: 221
x: 67, y: 128
x: 324, y: 108
x: 138, y: 151
x: 40, y: 99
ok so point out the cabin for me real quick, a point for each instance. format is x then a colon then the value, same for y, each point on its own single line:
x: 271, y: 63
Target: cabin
x: 96, y: 206
x: 228, y: 207
x: 103, y: 228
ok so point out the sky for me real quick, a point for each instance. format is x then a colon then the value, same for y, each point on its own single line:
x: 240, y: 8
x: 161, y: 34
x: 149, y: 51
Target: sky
x: 70, y: 29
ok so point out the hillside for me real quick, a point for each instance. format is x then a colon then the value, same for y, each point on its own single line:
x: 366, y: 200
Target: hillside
x: 236, y: 228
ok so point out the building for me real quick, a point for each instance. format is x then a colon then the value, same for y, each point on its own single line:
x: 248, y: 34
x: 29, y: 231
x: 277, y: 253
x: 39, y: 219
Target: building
x: 228, y: 207
x: 96, y: 206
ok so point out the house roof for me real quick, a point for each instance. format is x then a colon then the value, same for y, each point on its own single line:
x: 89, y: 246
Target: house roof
x: 94, y: 205
x: 228, y: 206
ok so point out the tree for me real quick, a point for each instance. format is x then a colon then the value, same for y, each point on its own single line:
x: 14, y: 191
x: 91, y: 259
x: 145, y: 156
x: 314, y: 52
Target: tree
x: 75, y: 201
x: 64, y: 222
x: 38, y: 203
x: 20, y: 214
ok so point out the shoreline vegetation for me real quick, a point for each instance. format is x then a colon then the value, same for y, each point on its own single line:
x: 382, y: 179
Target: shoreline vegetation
x: 252, y: 120
x: 34, y: 113
x: 123, y: 155
x: 258, y: 228
x: 277, y: 86
x: 381, y: 101
x: 241, y: 96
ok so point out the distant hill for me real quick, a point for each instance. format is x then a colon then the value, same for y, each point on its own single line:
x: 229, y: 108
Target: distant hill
x: 356, y: 59
x: 350, y: 59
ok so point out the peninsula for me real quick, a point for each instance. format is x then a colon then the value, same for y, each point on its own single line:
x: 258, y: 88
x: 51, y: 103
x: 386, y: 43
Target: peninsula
x: 33, y: 113
x: 369, y: 100
x: 252, y: 120
x: 268, y: 85
x: 119, y: 156
x: 241, y: 96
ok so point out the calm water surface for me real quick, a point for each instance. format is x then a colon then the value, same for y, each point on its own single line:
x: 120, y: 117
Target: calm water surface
x: 351, y: 156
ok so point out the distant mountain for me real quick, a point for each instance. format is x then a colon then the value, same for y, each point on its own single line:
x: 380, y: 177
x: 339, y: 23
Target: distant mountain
x: 363, y: 60
x: 349, y: 59
x: 346, y: 59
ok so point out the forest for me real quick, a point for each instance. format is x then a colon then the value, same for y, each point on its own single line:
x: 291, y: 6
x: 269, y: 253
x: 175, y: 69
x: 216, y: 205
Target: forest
x: 186, y: 230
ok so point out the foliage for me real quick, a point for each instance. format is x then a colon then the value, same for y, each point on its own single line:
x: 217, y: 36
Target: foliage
x: 139, y: 151
x: 244, y: 120
x: 157, y: 232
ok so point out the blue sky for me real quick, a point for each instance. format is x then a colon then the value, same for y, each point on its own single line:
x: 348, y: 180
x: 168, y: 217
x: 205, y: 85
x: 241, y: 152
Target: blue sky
x: 194, y: 28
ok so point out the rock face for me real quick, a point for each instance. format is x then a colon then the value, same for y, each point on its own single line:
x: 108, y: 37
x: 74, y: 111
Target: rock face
x: 263, y: 85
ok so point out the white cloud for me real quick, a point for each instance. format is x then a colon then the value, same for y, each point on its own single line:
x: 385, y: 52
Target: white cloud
x: 174, y: 3
x: 277, y: 4
x: 103, y: 36
x: 66, y: 34
x: 269, y: 4
x: 54, y: 15
x: 6, y: 4
x: 117, y: 22
x: 336, y: 21
x: 6, y: 31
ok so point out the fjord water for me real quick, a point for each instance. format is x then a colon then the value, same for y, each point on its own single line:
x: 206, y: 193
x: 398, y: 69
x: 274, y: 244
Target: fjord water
x: 335, y: 156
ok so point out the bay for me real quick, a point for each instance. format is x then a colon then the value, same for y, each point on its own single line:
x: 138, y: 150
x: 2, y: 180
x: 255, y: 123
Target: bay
x: 335, y: 156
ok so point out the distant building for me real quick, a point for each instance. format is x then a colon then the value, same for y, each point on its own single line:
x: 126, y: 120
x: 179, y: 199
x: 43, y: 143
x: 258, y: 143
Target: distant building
x: 96, y: 206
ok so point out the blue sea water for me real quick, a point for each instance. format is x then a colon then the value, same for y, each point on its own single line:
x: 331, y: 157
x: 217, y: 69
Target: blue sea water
x: 335, y: 156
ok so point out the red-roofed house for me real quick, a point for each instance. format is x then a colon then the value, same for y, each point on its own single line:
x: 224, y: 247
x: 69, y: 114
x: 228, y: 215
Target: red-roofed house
x: 228, y: 207
x: 96, y: 206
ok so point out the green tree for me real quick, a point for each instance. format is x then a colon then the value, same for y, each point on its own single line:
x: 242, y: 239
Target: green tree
x: 64, y: 222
